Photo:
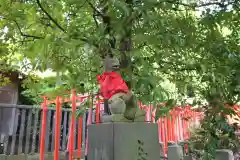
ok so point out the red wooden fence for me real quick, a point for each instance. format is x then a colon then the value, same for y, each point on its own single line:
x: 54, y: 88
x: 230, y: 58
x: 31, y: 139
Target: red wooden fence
x: 171, y: 128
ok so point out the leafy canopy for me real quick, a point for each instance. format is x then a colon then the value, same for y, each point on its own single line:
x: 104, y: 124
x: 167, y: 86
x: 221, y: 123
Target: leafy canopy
x: 167, y: 41
x: 192, y: 46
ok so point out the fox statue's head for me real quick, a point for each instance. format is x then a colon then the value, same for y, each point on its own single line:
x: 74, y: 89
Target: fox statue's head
x: 111, y: 63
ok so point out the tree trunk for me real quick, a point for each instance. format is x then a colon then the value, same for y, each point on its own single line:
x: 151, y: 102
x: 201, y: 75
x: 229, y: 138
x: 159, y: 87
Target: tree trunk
x: 125, y: 44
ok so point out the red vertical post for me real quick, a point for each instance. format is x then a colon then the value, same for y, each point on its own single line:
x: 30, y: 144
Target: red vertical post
x: 169, y: 128
x: 174, y: 126
x: 152, y: 113
x: 80, y: 130
x: 185, y: 125
x: 188, y: 123
x: 57, y: 126
x: 98, y: 110
x: 182, y: 126
x: 166, y: 134
x: 162, y: 131
x: 140, y: 105
x: 148, y: 113
x: 187, y: 114
x: 179, y: 129
x: 72, y: 127
x: 43, y: 127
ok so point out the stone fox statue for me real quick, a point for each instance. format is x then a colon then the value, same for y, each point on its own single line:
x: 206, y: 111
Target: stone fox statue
x: 122, y: 103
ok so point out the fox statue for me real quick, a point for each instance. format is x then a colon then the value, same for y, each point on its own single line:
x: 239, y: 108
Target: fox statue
x: 121, y: 101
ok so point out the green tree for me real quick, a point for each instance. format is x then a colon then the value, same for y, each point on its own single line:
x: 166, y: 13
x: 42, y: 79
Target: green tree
x: 194, y: 45
x: 163, y: 37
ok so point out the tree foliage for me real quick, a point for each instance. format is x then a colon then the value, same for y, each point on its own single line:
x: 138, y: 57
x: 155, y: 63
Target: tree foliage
x: 193, y: 45
x: 162, y: 39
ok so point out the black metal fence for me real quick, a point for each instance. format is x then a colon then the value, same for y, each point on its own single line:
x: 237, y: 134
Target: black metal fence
x: 20, y: 127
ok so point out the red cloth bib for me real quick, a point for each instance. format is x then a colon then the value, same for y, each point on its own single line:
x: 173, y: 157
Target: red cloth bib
x: 111, y: 83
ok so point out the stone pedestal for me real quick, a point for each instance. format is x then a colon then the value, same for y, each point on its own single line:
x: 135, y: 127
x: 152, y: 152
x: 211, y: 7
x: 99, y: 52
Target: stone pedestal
x: 123, y: 141
x: 224, y: 154
x: 175, y: 152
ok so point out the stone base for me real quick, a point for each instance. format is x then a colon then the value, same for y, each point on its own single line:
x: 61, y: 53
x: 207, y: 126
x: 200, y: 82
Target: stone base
x: 114, y: 118
x: 123, y: 141
x: 224, y: 154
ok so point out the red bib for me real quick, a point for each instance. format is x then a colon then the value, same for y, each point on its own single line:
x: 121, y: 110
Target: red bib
x: 111, y: 83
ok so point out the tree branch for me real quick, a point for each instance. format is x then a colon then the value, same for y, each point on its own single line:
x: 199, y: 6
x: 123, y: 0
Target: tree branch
x: 50, y: 17
x: 195, y: 5
x: 96, y: 13
x: 58, y: 25
x: 25, y: 35
x: 95, y: 9
x: 75, y: 37
x: 95, y: 19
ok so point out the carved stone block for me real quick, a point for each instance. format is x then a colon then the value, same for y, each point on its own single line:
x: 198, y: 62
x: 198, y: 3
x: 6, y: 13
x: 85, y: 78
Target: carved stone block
x: 123, y: 141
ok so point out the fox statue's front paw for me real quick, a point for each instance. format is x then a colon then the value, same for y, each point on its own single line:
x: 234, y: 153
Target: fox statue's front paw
x: 106, y: 118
